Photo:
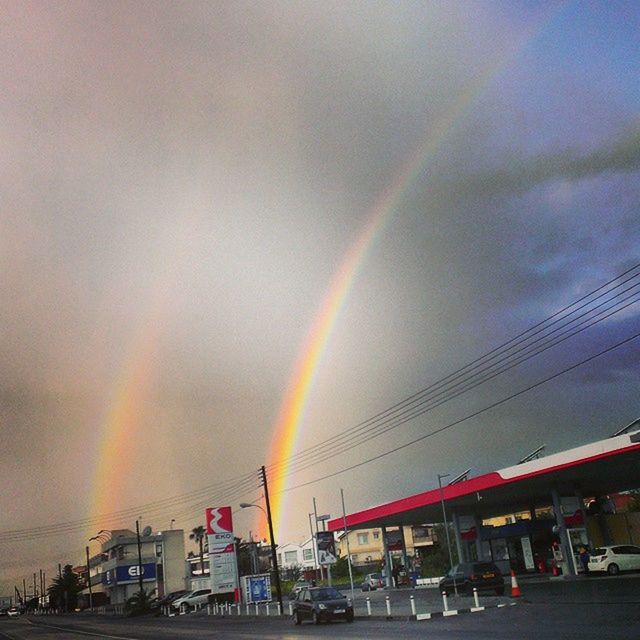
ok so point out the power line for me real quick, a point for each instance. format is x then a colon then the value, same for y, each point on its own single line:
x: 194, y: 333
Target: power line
x: 354, y: 437
x: 467, y: 417
x: 482, y: 361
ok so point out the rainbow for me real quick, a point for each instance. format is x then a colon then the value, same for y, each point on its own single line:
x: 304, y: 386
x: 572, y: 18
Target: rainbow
x: 287, y: 430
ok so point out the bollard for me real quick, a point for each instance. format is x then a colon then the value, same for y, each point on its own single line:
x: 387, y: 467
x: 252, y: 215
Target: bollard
x: 412, y: 601
x: 388, y: 603
x: 475, y: 597
x: 268, y: 609
x: 445, y: 602
x: 368, y: 606
x: 257, y: 609
x: 208, y: 609
x: 279, y: 609
x: 239, y: 607
x: 247, y: 608
x: 290, y: 608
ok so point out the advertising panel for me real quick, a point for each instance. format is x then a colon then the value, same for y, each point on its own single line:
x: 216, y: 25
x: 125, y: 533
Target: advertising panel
x: 222, y: 550
x: 257, y: 588
x: 128, y: 573
x: 326, y: 548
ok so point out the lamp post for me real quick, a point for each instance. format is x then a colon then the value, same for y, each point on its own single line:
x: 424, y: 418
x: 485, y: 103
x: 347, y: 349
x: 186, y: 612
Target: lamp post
x: 313, y: 547
x: 274, y: 556
x: 446, y: 528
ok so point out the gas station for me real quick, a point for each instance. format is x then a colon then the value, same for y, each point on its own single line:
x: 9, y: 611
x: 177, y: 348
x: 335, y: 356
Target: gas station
x: 555, y: 504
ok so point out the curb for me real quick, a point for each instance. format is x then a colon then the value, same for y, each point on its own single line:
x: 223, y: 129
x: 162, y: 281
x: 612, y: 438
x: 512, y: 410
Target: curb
x: 455, y: 612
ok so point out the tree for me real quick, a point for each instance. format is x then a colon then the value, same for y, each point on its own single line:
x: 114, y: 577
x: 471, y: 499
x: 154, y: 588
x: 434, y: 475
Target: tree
x: 198, y: 534
x: 64, y: 590
x: 139, y: 603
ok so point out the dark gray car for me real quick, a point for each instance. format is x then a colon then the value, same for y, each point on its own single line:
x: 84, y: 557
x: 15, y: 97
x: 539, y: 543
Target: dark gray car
x: 467, y: 576
x: 321, y: 604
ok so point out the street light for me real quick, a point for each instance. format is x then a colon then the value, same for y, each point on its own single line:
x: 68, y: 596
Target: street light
x: 274, y: 557
x: 446, y: 528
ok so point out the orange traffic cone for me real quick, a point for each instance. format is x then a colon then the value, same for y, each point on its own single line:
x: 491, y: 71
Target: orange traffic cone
x: 515, y: 589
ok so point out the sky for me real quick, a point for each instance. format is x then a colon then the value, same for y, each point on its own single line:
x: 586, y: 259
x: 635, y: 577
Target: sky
x: 199, y: 199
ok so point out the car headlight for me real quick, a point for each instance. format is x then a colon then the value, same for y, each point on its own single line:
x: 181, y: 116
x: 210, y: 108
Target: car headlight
x: 322, y: 606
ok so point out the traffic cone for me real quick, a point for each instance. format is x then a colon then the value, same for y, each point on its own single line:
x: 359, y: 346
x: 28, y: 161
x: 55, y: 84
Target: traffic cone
x: 515, y: 589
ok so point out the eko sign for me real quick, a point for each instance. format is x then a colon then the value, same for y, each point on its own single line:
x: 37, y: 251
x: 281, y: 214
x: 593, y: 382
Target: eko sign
x: 129, y: 573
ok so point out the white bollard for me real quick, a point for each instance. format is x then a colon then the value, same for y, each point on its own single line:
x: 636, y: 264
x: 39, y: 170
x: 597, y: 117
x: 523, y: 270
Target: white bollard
x: 247, y: 608
x: 208, y: 609
x: 268, y: 609
x: 239, y: 607
x: 368, y: 606
x: 290, y: 608
x: 279, y: 609
x: 388, y: 603
x: 257, y: 609
x: 412, y: 601
x: 475, y: 597
x: 445, y: 602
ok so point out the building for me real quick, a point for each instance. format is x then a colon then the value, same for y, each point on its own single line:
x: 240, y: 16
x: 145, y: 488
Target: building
x: 367, y: 548
x: 296, y: 558
x: 115, y: 571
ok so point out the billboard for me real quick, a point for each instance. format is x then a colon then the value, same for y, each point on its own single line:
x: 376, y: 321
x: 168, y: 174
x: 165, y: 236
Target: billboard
x: 128, y: 573
x: 326, y: 548
x: 222, y: 550
x: 257, y: 588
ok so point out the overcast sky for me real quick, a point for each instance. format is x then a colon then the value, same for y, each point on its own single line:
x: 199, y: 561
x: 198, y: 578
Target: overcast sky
x: 180, y: 183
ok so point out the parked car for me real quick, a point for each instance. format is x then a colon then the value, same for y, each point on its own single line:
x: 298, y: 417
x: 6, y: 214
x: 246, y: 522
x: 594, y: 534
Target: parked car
x: 483, y: 576
x: 170, y: 598
x: 372, y: 581
x: 321, y: 604
x: 297, y: 587
x: 13, y: 612
x: 616, y: 558
x: 192, y: 599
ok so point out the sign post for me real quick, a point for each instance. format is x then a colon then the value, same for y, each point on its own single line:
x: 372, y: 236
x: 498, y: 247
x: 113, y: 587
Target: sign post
x: 222, y: 551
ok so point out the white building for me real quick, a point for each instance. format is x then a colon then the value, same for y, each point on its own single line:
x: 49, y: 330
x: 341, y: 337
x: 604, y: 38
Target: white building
x: 294, y: 556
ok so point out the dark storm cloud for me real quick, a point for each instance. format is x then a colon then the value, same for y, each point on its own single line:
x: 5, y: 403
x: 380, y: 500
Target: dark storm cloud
x: 621, y: 156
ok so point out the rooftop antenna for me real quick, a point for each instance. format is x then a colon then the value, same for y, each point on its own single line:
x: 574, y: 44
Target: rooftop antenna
x: 632, y: 426
x: 463, y: 476
x: 534, y: 454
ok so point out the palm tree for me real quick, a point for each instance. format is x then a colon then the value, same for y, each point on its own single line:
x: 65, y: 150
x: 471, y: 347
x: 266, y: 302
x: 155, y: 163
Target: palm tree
x: 198, y: 534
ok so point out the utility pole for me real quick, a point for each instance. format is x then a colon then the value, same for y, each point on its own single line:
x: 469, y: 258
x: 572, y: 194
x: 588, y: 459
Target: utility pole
x: 274, y: 556
x: 139, y: 555
x: 89, y: 581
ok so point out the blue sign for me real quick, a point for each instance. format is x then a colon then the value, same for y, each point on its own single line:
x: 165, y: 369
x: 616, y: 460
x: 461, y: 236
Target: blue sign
x: 129, y: 573
x: 259, y: 588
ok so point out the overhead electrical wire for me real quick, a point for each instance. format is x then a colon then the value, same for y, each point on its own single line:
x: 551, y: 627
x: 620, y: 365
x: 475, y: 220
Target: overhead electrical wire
x: 463, y: 376
x: 467, y: 417
x: 242, y: 484
x: 349, y: 440
x: 382, y: 422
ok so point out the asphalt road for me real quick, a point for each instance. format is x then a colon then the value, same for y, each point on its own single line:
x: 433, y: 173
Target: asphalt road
x: 589, y: 609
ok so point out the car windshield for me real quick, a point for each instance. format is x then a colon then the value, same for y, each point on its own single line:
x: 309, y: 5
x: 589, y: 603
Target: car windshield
x: 599, y: 552
x: 326, y: 594
x: 483, y: 567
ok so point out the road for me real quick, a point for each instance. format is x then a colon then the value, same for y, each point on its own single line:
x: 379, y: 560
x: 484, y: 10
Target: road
x: 585, y: 610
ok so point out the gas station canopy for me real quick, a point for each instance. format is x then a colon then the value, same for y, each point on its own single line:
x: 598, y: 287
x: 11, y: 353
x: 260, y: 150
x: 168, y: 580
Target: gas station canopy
x: 596, y: 469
